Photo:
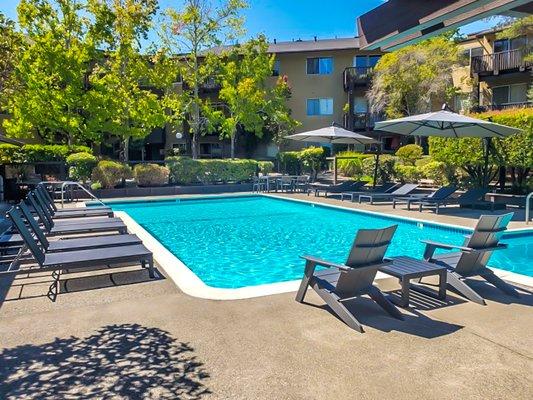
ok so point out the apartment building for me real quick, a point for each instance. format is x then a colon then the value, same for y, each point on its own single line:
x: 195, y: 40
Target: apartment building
x: 497, y: 75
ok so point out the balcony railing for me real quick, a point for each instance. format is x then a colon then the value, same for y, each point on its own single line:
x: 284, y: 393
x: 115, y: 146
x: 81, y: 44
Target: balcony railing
x: 505, y: 106
x: 504, y: 61
x: 361, y: 121
x: 356, y: 76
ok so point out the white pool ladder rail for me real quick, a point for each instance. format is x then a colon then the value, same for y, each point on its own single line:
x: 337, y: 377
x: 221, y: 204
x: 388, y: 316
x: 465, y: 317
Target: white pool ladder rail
x: 528, y: 198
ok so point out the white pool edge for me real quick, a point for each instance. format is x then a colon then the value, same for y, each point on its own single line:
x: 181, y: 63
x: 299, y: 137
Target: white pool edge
x: 188, y: 282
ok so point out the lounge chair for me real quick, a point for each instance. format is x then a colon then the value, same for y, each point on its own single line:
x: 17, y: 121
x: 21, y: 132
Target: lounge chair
x: 339, y: 188
x: 475, y: 198
x: 82, y: 243
x: 46, y: 201
x: 285, y: 183
x: 110, y: 257
x: 385, y: 188
x: 436, y: 199
x: 72, y: 226
x: 302, y: 183
x: 403, y: 190
x: 472, y: 258
x: 341, y: 282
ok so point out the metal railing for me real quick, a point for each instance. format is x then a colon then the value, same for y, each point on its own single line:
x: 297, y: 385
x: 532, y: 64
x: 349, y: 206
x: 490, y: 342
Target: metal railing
x: 494, y: 63
x: 356, y: 76
x: 66, y: 184
x: 528, y: 198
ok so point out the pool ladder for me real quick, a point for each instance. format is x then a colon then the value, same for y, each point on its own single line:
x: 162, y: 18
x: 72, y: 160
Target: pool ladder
x: 528, y: 198
x: 66, y: 184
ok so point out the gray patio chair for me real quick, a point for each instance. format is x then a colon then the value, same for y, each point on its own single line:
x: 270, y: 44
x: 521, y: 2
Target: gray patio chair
x: 472, y: 258
x: 403, y: 190
x: 110, y: 257
x: 341, y: 282
x: 77, y: 212
x: 82, y: 243
x: 258, y: 184
x: 339, y: 188
x: 384, y: 188
x: 89, y: 225
x: 285, y: 183
x: 302, y: 183
x: 440, y: 197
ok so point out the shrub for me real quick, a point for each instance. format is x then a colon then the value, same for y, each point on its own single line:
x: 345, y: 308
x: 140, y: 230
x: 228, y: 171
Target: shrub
x: 312, y: 158
x: 407, y: 173
x: 289, y: 162
x: 110, y: 173
x: 151, y: 175
x: 11, y: 154
x: 33, y: 153
x: 266, y: 167
x: 96, y: 186
x: 386, y: 171
x: 351, y: 167
x: 439, y: 172
x: 81, y: 166
x: 409, y: 154
x: 185, y: 170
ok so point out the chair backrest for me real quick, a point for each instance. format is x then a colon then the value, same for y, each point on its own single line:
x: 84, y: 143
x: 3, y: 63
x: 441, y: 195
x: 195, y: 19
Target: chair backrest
x: 388, y: 187
x: 43, y: 216
x: 303, y: 179
x: 474, y: 194
x: 43, y: 202
x: 487, y: 233
x: 47, y: 197
x: 355, y: 185
x: 367, y: 253
x: 405, y: 189
x: 443, y: 192
x: 16, y: 218
x: 34, y: 226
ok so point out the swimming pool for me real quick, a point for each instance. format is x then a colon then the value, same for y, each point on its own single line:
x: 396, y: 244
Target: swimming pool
x: 241, y: 241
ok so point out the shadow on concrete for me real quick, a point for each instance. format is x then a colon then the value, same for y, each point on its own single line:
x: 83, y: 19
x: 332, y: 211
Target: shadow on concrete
x: 492, y: 293
x: 127, y: 361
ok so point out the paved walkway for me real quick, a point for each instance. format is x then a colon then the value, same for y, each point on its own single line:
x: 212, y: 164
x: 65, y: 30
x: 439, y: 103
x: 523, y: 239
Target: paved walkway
x: 122, y: 336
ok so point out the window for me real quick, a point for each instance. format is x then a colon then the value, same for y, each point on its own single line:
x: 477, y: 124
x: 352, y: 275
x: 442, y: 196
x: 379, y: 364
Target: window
x: 275, y: 69
x: 473, y: 52
x: 360, y: 105
x: 509, y: 44
x: 365, y: 61
x: 509, y: 94
x: 319, y: 106
x: 320, y: 66
x: 211, y: 149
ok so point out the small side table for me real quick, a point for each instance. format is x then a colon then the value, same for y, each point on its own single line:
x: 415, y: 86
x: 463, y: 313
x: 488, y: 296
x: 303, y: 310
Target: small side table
x: 407, y: 268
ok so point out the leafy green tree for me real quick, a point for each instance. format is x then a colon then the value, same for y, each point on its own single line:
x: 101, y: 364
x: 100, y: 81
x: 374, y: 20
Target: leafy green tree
x: 122, y: 101
x: 415, y: 78
x: 194, y: 31
x: 11, y: 45
x: 51, y: 73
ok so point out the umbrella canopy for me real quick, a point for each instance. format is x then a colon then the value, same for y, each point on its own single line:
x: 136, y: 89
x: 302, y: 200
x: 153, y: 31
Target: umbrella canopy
x: 332, y: 134
x: 445, y: 124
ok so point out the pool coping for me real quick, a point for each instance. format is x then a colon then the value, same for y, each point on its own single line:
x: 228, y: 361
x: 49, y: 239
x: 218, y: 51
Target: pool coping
x: 191, y: 284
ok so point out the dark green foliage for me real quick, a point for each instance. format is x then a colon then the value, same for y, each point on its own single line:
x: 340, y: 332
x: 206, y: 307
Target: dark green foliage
x: 185, y: 170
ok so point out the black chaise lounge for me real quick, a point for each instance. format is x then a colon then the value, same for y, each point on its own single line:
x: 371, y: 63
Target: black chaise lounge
x: 345, y: 186
x: 341, y: 282
x: 472, y: 198
x: 403, y: 190
x: 439, y: 197
x: 46, y: 201
x: 384, y: 188
x: 109, y: 257
x: 472, y: 258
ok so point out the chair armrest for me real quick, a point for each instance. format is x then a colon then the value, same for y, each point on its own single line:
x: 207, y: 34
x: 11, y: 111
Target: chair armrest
x: 325, y: 263
x: 446, y: 246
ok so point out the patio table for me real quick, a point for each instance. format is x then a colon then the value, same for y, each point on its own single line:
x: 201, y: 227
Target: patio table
x: 407, y: 268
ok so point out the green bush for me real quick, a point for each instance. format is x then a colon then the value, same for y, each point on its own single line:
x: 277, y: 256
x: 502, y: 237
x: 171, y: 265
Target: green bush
x: 352, y: 167
x: 266, y: 167
x: 386, y: 171
x: 290, y: 162
x: 81, y: 166
x: 407, y: 173
x: 408, y: 154
x: 96, y: 186
x: 33, y: 153
x: 151, y: 175
x: 312, y: 158
x: 110, y: 173
x: 185, y: 170
x: 439, y: 172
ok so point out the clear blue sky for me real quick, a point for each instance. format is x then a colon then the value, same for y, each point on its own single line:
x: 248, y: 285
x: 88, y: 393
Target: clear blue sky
x: 293, y: 19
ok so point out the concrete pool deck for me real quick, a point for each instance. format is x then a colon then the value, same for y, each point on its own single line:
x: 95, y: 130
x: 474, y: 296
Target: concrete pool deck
x: 122, y: 336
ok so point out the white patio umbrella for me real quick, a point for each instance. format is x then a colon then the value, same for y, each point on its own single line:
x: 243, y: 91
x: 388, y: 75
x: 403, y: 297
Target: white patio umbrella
x: 448, y: 124
x: 332, y: 134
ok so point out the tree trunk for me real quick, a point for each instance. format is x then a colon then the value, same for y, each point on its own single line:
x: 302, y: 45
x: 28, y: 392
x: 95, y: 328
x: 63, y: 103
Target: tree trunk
x: 233, y: 143
x: 501, y: 179
x: 125, y: 149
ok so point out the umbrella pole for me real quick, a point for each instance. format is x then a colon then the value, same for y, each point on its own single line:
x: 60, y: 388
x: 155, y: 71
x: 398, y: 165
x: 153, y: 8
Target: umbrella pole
x: 486, y: 149
x: 376, y: 165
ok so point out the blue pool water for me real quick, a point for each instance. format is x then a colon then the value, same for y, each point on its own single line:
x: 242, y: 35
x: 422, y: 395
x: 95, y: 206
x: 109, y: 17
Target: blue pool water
x: 243, y: 241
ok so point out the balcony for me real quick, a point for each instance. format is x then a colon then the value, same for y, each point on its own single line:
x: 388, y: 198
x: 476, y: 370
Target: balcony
x: 364, y: 121
x: 506, y: 61
x: 505, y: 106
x: 356, y: 77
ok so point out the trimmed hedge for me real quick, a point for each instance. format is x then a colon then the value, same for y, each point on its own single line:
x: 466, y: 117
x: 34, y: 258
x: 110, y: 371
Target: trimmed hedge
x: 151, y: 175
x: 352, y: 167
x: 386, y: 171
x: 33, y: 153
x: 185, y: 170
x: 409, y: 154
x: 110, y: 173
x: 265, y: 167
x: 81, y: 166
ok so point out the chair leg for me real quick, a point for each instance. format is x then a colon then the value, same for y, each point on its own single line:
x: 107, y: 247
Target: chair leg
x: 376, y: 295
x: 308, y: 274
x: 340, y: 309
x: 151, y: 269
x: 491, y: 277
x: 454, y: 281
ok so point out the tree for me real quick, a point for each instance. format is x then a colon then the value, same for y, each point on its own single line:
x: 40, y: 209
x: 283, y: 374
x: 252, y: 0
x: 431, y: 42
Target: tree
x: 122, y: 100
x: 51, y: 73
x: 11, y: 42
x: 193, y: 32
x: 415, y: 78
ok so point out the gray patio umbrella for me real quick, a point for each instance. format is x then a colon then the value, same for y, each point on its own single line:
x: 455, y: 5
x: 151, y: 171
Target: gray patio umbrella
x: 332, y: 134
x: 448, y: 124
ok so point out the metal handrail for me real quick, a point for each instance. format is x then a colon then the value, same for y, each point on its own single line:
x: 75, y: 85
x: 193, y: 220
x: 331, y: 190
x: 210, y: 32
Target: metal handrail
x: 528, y: 198
x: 67, y: 183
